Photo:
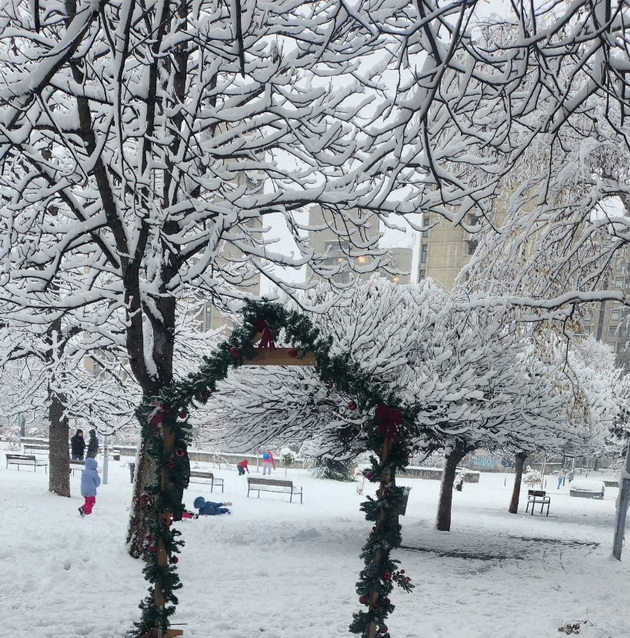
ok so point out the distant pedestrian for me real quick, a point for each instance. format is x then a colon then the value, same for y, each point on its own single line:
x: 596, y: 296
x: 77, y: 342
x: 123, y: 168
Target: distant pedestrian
x: 90, y: 480
x: 77, y: 446
x: 268, y: 462
x: 92, y: 447
x: 560, y: 476
x: 242, y: 467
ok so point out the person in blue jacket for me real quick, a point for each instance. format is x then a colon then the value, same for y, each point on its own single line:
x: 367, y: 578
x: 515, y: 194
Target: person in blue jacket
x: 208, y: 508
x: 90, y: 480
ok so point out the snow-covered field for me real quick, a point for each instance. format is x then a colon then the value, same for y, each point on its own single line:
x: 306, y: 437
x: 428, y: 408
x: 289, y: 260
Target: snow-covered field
x: 288, y: 570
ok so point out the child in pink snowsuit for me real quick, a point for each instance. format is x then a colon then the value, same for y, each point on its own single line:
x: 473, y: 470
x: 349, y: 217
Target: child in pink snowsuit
x: 90, y: 480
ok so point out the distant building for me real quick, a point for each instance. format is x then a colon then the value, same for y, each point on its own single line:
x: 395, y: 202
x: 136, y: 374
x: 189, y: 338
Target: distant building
x: 445, y: 249
x: 345, y: 259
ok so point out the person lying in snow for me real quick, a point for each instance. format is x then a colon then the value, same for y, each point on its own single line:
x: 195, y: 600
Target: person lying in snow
x: 208, y: 508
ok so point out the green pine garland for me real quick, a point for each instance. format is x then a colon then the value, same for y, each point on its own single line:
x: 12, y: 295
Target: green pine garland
x: 390, y: 433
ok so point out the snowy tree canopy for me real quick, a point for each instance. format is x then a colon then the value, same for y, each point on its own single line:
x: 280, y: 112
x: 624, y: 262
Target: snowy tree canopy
x: 475, y: 377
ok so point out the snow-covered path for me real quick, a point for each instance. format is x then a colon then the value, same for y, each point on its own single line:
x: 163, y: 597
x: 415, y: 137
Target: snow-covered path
x: 288, y: 570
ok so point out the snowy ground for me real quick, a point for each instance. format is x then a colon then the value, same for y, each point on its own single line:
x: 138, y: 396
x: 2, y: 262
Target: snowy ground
x: 286, y: 570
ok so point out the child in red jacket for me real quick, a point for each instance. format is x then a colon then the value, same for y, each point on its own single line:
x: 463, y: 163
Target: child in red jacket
x: 242, y: 467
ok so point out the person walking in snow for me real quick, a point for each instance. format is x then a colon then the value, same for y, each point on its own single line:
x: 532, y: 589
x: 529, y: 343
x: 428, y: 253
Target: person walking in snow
x: 77, y: 446
x: 268, y: 462
x: 92, y: 448
x: 208, y: 508
x: 242, y: 467
x: 90, y: 480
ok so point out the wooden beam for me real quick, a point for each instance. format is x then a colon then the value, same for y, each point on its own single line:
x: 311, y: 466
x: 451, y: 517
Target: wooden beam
x: 280, y: 357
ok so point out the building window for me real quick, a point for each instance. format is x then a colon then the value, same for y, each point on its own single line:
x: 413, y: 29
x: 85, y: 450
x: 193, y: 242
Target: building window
x: 472, y: 246
x: 424, y: 254
x: 615, y: 314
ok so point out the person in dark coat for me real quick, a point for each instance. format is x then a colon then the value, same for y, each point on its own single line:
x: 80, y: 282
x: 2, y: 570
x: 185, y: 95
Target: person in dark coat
x: 92, y: 447
x: 208, y: 508
x: 77, y: 446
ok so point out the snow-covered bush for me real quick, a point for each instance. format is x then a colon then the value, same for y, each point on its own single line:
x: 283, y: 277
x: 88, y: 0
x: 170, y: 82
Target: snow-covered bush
x: 335, y: 469
x: 532, y: 478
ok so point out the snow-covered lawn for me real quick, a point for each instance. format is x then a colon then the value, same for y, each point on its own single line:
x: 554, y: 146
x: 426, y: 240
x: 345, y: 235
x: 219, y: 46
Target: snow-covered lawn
x: 285, y: 570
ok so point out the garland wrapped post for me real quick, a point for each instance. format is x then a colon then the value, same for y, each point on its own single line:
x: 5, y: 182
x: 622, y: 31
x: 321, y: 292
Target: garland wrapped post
x: 162, y: 500
x: 391, y: 444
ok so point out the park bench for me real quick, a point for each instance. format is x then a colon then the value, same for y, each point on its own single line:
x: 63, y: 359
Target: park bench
x: 26, y: 459
x: 76, y: 465
x: 200, y: 476
x: 33, y: 448
x: 272, y: 485
x: 534, y: 497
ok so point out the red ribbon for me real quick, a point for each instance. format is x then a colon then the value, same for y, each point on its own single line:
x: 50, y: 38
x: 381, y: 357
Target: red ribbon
x: 389, y: 419
x: 266, y: 334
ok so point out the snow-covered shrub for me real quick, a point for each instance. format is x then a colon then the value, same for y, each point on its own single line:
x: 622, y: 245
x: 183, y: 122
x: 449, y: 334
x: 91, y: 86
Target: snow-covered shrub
x: 337, y: 470
x: 532, y: 478
x: 11, y: 434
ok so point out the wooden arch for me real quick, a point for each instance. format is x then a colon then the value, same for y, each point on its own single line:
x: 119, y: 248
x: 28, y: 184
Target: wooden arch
x: 164, y: 419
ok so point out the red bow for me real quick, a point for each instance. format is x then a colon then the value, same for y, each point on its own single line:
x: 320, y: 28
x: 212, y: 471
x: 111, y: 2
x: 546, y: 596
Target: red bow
x: 266, y: 334
x: 389, y: 419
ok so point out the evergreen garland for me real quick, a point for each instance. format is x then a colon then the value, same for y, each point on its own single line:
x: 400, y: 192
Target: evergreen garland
x: 165, y: 425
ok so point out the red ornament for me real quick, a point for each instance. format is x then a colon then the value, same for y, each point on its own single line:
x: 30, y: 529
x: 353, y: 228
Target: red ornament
x: 180, y: 452
x: 174, y: 560
x: 387, y: 575
x: 364, y: 600
x: 235, y: 353
x: 182, y: 414
x: 170, y: 465
x: 144, y: 499
x: 148, y: 537
x: 383, y: 629
x: 352, y: 405
x: 293, y: 353
x: 152, y: 549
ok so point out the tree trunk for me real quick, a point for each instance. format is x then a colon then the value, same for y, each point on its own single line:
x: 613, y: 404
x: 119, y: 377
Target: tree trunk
x: 518, y: 477
x: 58, y: 437
x: 137, y: 530
x: 163, y: 343
x: 457, y: 453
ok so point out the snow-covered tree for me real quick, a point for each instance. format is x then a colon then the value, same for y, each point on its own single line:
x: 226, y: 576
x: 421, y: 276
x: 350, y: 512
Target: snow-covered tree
x: 371, y: 322
x: 47, y: 366
x: 144, y: 147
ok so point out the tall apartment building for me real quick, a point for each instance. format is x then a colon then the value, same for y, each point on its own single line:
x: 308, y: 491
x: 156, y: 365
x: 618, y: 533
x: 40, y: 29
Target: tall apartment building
x: 445, y: 249
x: 326, y: 240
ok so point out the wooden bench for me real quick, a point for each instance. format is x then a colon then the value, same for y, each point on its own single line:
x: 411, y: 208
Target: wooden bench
x: 26, y: 459
x: 32, y: 448
x: 76, y: 465
x: 272, y: 485
x: 202, y: 477
x: 537, y: 496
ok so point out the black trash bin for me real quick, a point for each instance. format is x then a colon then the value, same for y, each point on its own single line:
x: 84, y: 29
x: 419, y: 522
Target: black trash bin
x: 405, y: 499
x: 132, y: 470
